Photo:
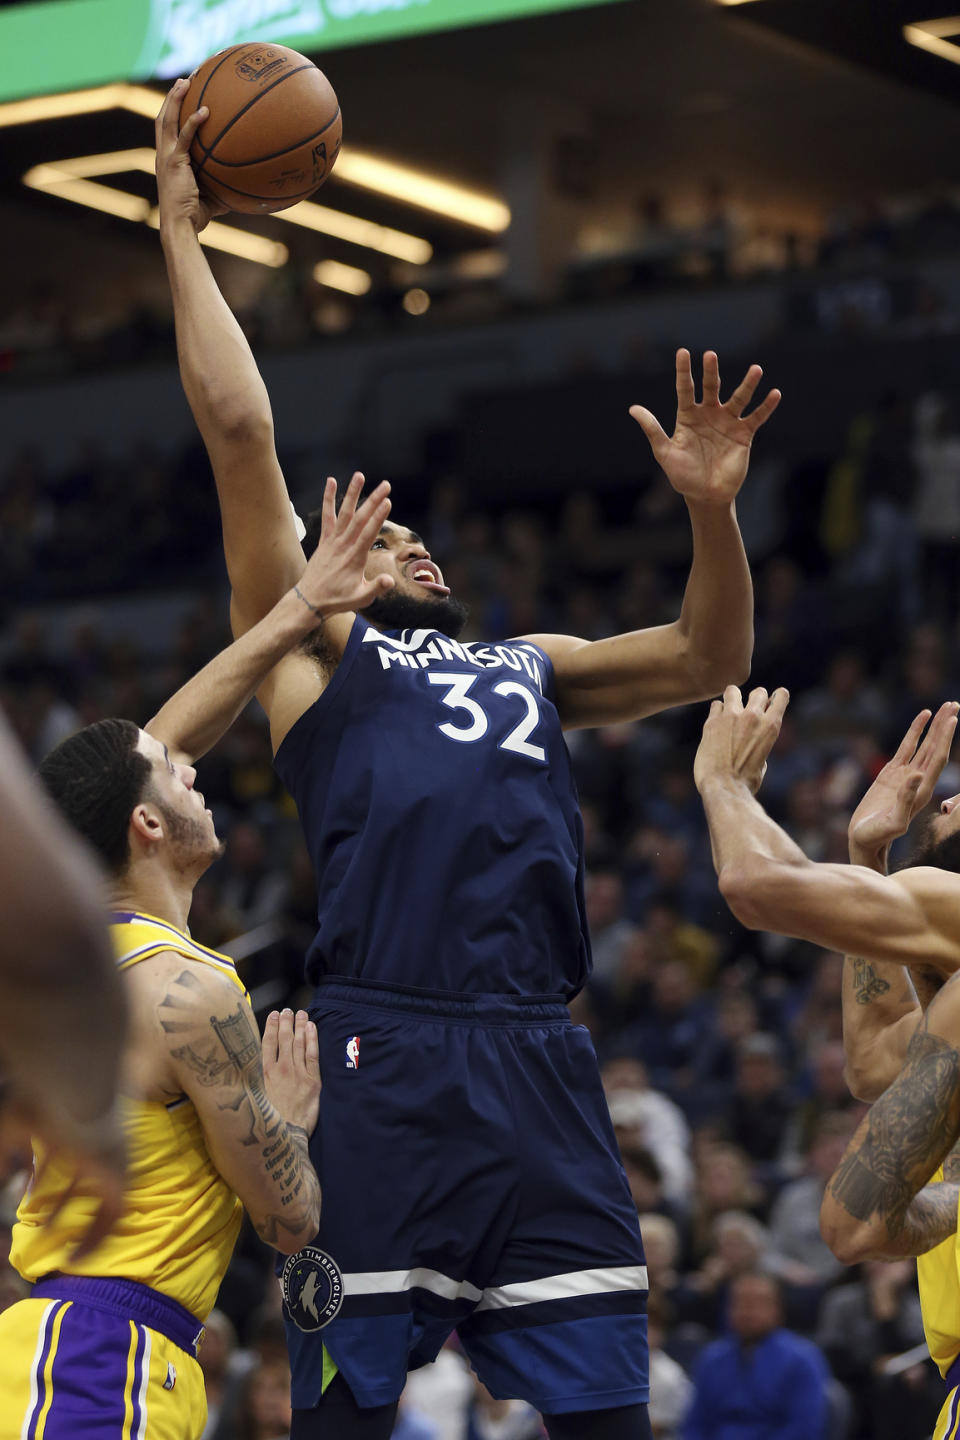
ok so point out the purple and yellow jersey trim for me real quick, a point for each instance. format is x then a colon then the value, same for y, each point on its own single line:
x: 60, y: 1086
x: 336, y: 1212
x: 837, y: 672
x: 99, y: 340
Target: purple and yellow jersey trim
x: 73, y: 1371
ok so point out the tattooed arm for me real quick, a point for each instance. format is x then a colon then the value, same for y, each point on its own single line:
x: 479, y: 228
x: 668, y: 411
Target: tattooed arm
x: 882, y: 1003
x: 256, y: 1126
x: 880, y: 1203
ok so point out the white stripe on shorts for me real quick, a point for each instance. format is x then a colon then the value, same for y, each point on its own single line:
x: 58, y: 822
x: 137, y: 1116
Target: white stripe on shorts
x: 144, y: 1381
x: 390, y: 1282
x: 43, y: 1331
x: 565, y: 1287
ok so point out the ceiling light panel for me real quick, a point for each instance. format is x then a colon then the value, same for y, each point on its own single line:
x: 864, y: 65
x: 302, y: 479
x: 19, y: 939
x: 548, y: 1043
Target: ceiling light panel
x: 934, y: 36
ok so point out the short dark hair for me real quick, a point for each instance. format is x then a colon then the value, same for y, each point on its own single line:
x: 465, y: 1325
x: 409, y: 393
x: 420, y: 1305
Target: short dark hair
x: 312, y: 524
x: 95, y: 778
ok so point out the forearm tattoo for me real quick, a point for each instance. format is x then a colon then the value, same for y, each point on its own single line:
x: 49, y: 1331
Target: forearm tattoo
x: 907, y: 1134
x: 229, y: 1057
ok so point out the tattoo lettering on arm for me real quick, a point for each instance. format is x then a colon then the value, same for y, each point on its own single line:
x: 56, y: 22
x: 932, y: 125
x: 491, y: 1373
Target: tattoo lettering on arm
x: 867, y: 984
x: 227, y: 1055
x: 903, y: 1140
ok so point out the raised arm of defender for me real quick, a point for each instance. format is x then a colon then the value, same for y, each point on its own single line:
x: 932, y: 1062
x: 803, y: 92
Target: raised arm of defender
x: 205, y: 707
x: 770, y: 884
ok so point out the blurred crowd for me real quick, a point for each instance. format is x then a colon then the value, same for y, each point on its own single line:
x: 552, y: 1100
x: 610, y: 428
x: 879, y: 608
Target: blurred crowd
x: 864, y: 266
x: 721, y: 1049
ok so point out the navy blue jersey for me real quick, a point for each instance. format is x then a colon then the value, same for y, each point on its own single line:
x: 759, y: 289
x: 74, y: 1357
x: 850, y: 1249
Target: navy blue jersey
x: 439, y: 808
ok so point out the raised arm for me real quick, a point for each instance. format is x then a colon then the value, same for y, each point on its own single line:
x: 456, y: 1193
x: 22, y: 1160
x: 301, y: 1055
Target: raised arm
x: 224, y: 388
x: 881, y: 1202
x: 770, y: 884
x: 881, y: 1010
x: 256, y: 1127
x: 63, y: 1020
x: 201, y: 711
x: 710, y: 644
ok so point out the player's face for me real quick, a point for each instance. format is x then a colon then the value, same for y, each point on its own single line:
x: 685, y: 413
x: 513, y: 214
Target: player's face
x: 419, y: 595
x: 939, y: 840
x: 401, y: 554
x: 188, y: 824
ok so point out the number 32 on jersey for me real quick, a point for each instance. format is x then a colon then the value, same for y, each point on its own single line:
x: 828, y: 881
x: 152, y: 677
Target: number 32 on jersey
x: 516, y: 720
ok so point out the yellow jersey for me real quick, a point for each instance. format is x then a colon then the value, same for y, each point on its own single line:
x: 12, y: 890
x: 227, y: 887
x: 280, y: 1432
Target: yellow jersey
x: 180, y: 1218
x: 938, y: 1274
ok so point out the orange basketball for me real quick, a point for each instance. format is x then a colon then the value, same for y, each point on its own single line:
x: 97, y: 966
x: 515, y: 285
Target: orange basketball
x: 274, y: 128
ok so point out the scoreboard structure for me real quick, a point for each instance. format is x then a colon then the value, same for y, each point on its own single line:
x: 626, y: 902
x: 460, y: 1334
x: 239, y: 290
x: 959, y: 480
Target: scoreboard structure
x: 63, y: 45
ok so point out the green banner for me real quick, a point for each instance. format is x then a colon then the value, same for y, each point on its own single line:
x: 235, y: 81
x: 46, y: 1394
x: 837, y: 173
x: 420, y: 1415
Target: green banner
x: 73, y: 44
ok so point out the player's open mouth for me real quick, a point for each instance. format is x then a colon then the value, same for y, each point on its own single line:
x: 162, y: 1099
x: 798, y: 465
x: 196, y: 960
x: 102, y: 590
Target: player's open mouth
x: 425, y: 573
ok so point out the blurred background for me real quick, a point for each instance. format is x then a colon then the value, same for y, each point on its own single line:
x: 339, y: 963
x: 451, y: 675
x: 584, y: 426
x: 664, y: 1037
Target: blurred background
x: 536, y: 204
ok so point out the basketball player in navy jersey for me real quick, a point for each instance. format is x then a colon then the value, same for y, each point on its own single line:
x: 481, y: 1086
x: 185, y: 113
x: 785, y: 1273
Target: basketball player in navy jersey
x: 470, y: 1173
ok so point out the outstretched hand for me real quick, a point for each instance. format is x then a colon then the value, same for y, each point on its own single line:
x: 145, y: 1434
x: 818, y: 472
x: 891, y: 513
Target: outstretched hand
x: 334, y: 580
x: 707, y: 456
x: 903, y: 787
x: 176, y: 183
x: 737, y: 738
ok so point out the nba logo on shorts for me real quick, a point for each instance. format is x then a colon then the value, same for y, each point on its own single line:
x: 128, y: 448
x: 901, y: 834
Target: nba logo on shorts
x: 353, y: 1053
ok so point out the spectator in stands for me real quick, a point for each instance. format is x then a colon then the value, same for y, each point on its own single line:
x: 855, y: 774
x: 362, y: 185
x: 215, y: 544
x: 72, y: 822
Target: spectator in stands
x: 738, y: 1244
x: 490, y: 1419
x: 724, y: 1182
x: 761, y: 1382
x: 264, y: 1405
x: 610, y: 930
x: 223, y: 1367
x: 795, y: 1217
x: 861, y: 1327
x: 251, y: 888
x: 644, y: 1117
x: 670, y: 1388
x: 828, y: 1093
x: 761, y: 1104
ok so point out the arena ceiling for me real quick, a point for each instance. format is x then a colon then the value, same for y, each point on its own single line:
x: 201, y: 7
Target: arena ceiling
x: 792, y: 105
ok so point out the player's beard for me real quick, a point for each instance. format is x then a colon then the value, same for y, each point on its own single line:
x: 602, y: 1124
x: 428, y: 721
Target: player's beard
x: 396, y: 610
x: 943, y: 854
x: 193, y: 842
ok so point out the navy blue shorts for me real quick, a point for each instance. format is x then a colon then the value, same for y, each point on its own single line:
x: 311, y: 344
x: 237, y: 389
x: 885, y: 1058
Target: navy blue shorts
x: 471, y: 1180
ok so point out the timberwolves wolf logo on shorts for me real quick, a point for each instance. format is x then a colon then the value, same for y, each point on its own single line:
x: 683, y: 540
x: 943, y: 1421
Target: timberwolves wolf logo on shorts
x: 312, y: 1288
x: 353, y: 1053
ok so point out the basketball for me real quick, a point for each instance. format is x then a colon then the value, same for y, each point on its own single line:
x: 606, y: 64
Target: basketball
x: 273, y: 132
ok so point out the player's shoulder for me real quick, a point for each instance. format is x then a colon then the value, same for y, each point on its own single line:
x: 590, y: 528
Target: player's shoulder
x: 187, y: 981
x: 555, y: 647
x: 931, y: 885
x: 298, y: 680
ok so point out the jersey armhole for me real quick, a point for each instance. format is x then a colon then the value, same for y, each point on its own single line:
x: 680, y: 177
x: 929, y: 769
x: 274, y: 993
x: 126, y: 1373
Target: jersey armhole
x: 549, y: 680
x: 286, y: 752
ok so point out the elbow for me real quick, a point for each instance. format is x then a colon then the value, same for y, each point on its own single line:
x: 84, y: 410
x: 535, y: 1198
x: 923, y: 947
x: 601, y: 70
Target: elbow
x: 864, y: 1085
x: 240, y: 423
x: 850, y: 1240
x: 288, y: 1242
x: 289, y: 1238
x: 712, y: 674
x: 742, y: 888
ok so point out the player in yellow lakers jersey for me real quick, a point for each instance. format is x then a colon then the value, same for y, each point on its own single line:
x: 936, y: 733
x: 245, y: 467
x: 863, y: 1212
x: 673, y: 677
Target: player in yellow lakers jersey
x: 882, y: 1011
x: 106, y: 1343
x: 897, y: 1189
